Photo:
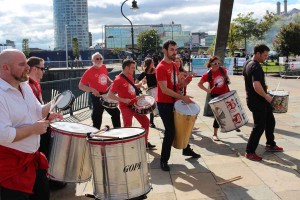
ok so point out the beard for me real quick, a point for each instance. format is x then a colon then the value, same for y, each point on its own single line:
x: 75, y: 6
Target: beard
x: 24, y: 77
x: 172, y: 57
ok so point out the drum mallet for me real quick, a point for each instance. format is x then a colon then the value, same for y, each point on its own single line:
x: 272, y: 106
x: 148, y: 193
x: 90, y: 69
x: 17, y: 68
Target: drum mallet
x: 52, y: 105
x: 98, y: 133
x: 229, y: 180
x: 216, y: 84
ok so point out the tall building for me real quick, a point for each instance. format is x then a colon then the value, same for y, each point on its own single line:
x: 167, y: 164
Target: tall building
x: 70, y: 20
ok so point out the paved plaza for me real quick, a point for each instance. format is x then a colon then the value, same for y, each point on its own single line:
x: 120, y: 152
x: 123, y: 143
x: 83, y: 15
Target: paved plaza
x: 276, y: 177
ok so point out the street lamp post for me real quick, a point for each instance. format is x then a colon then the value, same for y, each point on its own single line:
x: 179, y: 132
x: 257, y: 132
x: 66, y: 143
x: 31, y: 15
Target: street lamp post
x: 66, y: 34
x: 134, y: 7
x: 172, y: 28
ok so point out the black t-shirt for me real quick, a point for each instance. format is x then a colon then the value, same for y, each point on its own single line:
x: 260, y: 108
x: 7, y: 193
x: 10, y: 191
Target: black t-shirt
x: 253, y: 72
x: 151, y: 79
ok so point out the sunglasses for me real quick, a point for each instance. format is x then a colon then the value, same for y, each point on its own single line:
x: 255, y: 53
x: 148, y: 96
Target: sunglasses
x: 41, y: 68
x: 215, y: 63
x: 98, y: 58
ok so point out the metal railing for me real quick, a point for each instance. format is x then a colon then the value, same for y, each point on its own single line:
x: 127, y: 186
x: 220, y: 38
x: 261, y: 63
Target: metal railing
x: 78, y: 63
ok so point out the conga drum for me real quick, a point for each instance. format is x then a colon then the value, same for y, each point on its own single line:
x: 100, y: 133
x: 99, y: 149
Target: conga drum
x: 119, y: 163
x: 185, y: 116
x: 228, y: 111
x: 69, y: 159
x: 280, y: 100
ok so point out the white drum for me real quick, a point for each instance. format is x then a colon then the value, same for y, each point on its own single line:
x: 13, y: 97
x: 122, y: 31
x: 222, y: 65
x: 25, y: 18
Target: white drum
x: 69, y: 159
x: 144, y: 104
x: 152, y: 92
x: 280, y: 100
x: 108, y: 103
x: 185, y: 116
x: 228, y: 111
x: 120, y: 169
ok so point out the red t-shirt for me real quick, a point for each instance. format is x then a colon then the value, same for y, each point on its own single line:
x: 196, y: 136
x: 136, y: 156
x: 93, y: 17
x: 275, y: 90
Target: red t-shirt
x: 37, y: 90
x: 123, y: 88
x: 217, y: 77
x: 96, y: 78
x: 164, y: 72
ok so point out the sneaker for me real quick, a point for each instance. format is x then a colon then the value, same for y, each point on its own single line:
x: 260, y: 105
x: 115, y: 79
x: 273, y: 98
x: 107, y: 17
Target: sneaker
x: 152, y: 126
x: 273, y: 148
x: 150, y: 146
x: 253, y: 156
x: 164, y: 166
x: 189, y: 152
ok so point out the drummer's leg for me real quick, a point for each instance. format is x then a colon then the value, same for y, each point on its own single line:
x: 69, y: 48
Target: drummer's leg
x: 115, y: 116
x: 127, y: 115
x: 216, y: 126
x: 144, y: 121
x: 270, y: 126
x: 97, y: 112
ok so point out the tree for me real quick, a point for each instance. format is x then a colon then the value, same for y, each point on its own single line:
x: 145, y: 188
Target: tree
x: 75, y: 48
x: 232, y: 39
x: 287, y: 40
x: 25, y: 47
x: 265, y: 25
x: 245, y: 26
x: 149, y: 41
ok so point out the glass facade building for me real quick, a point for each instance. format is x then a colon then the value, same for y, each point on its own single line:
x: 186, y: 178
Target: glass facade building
x: 70, y: 20
x: 119, y: 36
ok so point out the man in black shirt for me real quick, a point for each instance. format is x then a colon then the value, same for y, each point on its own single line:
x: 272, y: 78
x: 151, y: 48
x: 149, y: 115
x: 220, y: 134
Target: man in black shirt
x: 259, y: 103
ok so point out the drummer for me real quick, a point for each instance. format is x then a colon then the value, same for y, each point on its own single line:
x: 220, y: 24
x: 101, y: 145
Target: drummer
x: 218, y: 81
x: 167, y: 93
x: 149, y: 73
x: 258, y: 102
x: 95, y: 80
x: 126, y: 95
x: 22, y: 121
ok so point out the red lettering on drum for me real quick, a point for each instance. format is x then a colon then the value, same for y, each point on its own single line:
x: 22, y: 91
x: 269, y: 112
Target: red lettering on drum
x: 133, y: 167
x: 237, y: 118
x: 231, y: 105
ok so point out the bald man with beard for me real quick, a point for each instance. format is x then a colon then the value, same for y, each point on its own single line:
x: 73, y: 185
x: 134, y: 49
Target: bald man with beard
x: 22, y: 121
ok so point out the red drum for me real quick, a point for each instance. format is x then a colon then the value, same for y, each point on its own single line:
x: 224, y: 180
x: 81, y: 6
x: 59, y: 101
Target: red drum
x: 108, y: 103
x: 144, y: 104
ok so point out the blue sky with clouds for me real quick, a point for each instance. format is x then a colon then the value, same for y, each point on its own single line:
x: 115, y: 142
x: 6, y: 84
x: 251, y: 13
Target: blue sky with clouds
x: 33, y: 19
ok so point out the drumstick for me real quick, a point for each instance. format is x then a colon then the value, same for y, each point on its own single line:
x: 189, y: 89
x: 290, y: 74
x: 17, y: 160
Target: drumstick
x: 277, y: 86
x: 229, y: 180
x: 52, y: 105
x: 216, y: 84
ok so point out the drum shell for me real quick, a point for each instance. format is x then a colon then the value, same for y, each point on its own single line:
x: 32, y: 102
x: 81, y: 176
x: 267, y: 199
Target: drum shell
x: 144, y: 110
x: 70, y: 103
x: 120, y: 169
x: 228, y: 111
x: 280, y: 101
x: 69, y: 159
x: 152, y: 92
x: 108, y: 103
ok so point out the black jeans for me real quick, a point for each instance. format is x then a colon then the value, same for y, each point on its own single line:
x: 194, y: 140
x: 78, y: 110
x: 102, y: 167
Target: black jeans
x: 151, y: 118
x: 263, y: 121
x: 40, y: 190
x: 98, y: 110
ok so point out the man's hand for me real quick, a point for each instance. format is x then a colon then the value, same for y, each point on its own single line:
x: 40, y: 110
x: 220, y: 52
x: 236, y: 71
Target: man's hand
x: 268, y: 98
x: 187, y: 99
x: 40, y: 127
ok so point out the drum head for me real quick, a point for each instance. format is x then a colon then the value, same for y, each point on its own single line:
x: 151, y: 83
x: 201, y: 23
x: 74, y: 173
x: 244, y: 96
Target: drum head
x: 65, y: 99
x: 278, y: 93
x: 222, y: 97
x: 121, y: 133
x: 144, y: 101
x: 105, y: 98
x: 74, y: 128
x: 187, y: 109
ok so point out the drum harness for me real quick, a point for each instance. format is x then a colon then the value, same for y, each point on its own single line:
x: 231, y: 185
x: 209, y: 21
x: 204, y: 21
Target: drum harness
x: 210, y: 78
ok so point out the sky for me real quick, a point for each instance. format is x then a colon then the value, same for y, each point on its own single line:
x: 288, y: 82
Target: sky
x: 33, y: 19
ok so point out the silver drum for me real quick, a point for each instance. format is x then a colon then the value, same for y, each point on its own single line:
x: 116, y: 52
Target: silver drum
x: 120, y: 169
x: 69, y: 156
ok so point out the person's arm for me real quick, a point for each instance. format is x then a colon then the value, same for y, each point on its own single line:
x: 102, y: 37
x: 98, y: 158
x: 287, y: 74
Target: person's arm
x: 259, y: 90
x: 113, y: 96
x: 201, y: 86
x: 169, y: 92
x: 86, y: 88
x: 38, y: 128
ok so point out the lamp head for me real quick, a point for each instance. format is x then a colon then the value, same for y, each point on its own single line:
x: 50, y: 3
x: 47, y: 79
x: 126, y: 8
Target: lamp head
x: 134, y: 6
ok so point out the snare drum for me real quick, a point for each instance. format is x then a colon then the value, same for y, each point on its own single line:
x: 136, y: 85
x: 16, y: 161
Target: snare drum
x: 65, y: 100
x: 144, y: 104
x: 69, y: 159
x: 120, y: 169
x: 108, y: 103
x: 228, y: 111
x: 280, y: 100
x: 152, y: 92
x: 185, y: 116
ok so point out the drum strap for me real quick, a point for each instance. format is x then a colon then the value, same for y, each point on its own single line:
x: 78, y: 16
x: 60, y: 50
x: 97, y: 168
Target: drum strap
x: 174, y: 80
x: 137, y: 90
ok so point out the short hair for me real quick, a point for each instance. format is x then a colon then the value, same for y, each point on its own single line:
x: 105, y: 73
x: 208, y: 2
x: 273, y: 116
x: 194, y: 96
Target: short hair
x: 96, y: 54
x: 168, y: 43
x: 127, y: 62
x: 34, y: 61
x: 212, y: 59
x: 260, y: 48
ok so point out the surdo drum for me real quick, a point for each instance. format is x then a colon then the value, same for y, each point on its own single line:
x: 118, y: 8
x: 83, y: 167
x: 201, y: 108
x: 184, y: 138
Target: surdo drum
x: 228, y: 111
x: 69, y: 157
x: 185, y: 116
x: 120, y: 169
x: 108, y: 103
x: 144, y: 104
x: 65, y: 100
x: 280, y: 100
x: 152, y: 92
